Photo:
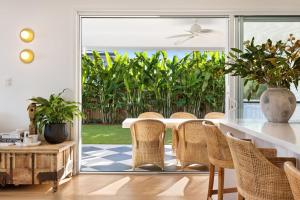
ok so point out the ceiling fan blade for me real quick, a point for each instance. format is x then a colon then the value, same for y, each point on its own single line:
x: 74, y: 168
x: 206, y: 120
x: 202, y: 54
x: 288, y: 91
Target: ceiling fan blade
x: 206, y: 31
x: 179, y: 35
x: 182, y: 41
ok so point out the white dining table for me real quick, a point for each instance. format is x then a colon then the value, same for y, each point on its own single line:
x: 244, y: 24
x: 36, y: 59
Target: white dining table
x: 170, y: 123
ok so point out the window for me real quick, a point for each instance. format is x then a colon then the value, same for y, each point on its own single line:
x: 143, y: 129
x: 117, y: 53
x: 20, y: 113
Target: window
x: 263, y: 28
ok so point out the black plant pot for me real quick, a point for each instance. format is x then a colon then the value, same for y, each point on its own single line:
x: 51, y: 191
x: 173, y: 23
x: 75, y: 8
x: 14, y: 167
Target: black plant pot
x: 56, y: 133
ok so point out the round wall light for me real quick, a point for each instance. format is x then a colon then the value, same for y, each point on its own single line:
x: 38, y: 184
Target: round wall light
x: 26, y: 56
x: 27, y: 35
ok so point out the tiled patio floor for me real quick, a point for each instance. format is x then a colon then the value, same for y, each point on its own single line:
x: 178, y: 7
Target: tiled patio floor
x: 117, y: 158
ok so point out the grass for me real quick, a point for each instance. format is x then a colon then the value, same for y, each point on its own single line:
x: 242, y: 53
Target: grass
x: 110, y: 134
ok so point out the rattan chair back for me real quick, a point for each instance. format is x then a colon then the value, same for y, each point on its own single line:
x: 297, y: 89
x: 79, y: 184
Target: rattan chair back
x: 256, y: 177
x: 217, y: 147
x: 293, y: 175
x: 148, y: 142
x: 214, y: 115
x: 151, y: 115
x: 183, y: 115
x: 192, y: 148
x: 179, y: 115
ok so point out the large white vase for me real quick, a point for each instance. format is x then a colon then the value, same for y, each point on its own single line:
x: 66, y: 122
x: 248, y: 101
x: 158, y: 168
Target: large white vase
x: 278, y: 104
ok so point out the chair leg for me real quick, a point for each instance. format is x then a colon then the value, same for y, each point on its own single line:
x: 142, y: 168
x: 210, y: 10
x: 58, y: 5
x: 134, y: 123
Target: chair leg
x: 220, y: 183
x: 174, y: 143
x: 240, y: 197
x: 211, y: 180
x: 183, y: 165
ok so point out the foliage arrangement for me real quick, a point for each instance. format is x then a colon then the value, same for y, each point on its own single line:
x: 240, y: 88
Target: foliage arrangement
x: 274, y: 64
x: 250, y: 92
x: 119, y: 86
x: 54, y: 111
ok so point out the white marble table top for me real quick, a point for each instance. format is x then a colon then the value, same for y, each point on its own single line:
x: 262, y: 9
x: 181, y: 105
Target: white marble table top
x: 284, y: 134
x: 170, y: 123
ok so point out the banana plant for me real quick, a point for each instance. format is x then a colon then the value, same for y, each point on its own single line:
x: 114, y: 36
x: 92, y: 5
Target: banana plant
x: 116, y: 86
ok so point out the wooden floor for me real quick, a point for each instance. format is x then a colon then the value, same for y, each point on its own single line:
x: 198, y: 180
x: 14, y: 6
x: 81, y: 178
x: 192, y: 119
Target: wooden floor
x: 121, y: 187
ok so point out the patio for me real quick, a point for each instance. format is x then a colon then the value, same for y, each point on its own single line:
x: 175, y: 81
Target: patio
x: 117, y: 158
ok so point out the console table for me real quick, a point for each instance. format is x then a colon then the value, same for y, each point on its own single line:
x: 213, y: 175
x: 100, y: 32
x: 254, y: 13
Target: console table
x: 36, y: 165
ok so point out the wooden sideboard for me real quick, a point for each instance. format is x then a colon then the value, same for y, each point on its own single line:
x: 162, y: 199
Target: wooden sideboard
x: 36, y: 165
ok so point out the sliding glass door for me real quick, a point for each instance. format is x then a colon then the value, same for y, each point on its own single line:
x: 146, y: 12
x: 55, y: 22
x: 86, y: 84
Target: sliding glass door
x: 132, y: 65
x: 263, y: 28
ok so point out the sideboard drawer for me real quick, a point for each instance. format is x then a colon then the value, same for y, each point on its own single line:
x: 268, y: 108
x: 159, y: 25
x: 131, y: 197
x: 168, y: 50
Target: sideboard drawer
x: 21, y: 168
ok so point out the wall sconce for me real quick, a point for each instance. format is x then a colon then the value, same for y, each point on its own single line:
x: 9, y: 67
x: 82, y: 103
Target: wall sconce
x: 26, y: 56
x: 27, y: 35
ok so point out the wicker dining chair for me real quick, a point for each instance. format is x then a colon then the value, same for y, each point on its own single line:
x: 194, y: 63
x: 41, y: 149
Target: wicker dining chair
x: 214, y: 115
x: 179, y: 115
x: 148, y: 142
x: 219, y: 156
x: 293, y: 175
x: 151, y: 115
x: 192, y: 148
x: 258, y: 177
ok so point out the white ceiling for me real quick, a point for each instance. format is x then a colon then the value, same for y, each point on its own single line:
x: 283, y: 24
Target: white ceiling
x: 150, y: 33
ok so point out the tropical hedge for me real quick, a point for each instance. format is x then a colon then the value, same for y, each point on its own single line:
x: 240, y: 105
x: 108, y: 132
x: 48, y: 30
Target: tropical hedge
x: 117, y: 86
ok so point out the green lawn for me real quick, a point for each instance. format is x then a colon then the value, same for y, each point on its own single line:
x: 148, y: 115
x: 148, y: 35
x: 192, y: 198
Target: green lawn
x: 110, y: 134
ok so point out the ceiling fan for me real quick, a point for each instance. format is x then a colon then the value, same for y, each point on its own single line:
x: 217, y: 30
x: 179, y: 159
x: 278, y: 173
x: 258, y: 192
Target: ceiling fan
x: 195, y: 31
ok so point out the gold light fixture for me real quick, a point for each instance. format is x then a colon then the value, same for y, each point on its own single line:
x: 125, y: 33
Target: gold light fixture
x: 26, y: 56
x: 27, y: 35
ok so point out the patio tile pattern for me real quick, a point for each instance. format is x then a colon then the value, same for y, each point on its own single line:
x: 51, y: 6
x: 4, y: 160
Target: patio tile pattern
x: 118, y: 158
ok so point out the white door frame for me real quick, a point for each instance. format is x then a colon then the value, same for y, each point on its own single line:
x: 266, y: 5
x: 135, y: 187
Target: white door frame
x: 231, y: 82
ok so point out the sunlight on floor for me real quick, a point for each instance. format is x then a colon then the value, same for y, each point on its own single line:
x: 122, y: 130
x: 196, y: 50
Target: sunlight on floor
x: 113, y: 188
x: 177, y: 189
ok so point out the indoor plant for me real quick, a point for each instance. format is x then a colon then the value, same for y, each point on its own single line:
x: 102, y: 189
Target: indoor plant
x: 53, y: 114
x: 275, y: 64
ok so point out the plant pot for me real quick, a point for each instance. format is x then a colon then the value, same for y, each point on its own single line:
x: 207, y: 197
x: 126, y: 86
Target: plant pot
x: 278, y: 104
x: 56, y: 133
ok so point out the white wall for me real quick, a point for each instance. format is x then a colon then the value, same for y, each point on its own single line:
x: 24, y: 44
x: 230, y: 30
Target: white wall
x: 54, y: 24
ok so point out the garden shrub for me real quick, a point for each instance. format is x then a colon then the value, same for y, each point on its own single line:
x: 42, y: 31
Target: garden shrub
x: 115, y: 86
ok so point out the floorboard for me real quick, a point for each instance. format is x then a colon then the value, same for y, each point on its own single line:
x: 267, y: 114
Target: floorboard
x: 119, y: 187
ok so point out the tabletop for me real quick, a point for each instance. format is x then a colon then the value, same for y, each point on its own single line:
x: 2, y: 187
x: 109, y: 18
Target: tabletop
x: 170, y: 123
x: 283, y: 134
x: 43, y: 148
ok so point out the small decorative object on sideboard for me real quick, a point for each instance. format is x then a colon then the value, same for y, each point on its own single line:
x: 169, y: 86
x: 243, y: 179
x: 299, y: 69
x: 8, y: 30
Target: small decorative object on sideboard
x: 10, y: 138
x: 19, y: 138
x: 276, y: 65
x: 31, y: 113
x: 28, y: 140
x: 52, y: 116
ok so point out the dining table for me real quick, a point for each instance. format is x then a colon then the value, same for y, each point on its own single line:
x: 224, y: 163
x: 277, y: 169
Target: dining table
x: 170, y: 123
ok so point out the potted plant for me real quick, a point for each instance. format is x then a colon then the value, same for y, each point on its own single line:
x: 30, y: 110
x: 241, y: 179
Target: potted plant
x: 276, y: 65
x: 53, y: 114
